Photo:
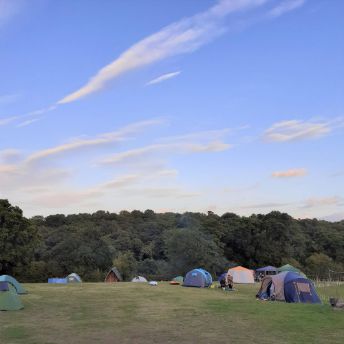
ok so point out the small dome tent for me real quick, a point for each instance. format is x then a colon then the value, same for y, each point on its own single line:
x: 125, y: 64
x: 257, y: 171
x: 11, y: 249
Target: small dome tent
x: 241, y: 275
x: 113, y: 276
x: 199, y: 278
x: 177, y: 280
x: 9, y: 300
x: 139, y: 279
x: 11, y: 280
x: 289, y: 287
x: 73, y: 278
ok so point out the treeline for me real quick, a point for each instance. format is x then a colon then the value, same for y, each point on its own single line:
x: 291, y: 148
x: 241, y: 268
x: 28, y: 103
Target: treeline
x: 161, y: 246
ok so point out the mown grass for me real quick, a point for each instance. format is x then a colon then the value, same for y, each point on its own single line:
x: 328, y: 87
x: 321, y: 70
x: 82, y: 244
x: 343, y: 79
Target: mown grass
x: 138, y: 313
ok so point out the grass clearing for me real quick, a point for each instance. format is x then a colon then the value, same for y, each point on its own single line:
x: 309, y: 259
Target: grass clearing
x: 139, y: 313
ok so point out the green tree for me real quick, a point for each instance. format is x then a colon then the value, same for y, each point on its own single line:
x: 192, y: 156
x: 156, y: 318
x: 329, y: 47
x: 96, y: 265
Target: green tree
x: 18, y: 238
x: 318, y: 265
x: 126, y: 264
x: 187, y: 249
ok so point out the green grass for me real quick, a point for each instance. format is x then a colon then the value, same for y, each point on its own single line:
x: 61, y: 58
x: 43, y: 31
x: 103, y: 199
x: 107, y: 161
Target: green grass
x: 138, y: 313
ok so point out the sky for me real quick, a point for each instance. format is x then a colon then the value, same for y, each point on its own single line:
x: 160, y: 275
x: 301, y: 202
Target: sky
x: 199, y: 105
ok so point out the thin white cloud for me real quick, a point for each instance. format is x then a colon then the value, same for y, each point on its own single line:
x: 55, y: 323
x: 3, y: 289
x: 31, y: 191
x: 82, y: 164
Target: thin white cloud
x: 164, y: 148
x: 181, y: 37
x: 295, y: 130
x: 285, y: 7
x: 163, y: 77
x: 28, y: 122
x: 294, y: 172
x: 10, y: 119
x: 106, y: 138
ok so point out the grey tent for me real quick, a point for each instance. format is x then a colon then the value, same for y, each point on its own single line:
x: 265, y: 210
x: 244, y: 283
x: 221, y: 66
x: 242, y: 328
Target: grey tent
x: 73, y: 278
x: 139, y: 279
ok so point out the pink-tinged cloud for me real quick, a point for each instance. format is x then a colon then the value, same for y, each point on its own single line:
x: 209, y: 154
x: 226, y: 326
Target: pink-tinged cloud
x: 295, y: 172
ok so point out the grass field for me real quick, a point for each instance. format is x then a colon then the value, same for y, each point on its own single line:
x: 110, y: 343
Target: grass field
x: 138, y: 313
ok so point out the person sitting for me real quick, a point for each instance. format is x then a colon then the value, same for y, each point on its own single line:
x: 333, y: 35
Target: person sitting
x: 229, y: 282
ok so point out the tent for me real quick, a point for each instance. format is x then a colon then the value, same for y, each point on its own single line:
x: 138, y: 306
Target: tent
x: 153, y: 283
x: 73, y: 278
x: 289, y: 287
x: 267, y: 270
x: 241, y: 275
x: 177, y: 280
x: 9, y: 300
x: 18, y: 287
x: 56, y: 280
x: 198, y: 278
x: 290, y: 268
x: 113, y: 276
x: 139, y: 279
x: 222, y: 276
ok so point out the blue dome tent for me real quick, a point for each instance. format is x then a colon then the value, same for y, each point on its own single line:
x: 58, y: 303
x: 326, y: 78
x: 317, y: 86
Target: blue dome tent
x: 199, y: 278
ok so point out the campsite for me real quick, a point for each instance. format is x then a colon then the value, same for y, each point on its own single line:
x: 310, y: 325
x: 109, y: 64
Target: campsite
x: 171, y: 171
x: 137, y: 313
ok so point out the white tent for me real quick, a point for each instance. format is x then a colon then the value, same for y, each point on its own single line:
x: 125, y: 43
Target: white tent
x: 153, y: 283
x: 241, y: 275
x: 73, y: 278
x: 139, y: 279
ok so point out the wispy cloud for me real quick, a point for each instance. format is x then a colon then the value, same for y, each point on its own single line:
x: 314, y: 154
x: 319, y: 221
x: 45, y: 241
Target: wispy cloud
x: 106, y: 138
x: 163, y: 148
x: 10, y: 119
x: 285, y: 6
x: 28, y: 122
x: 181, y: 37
x: 322, y: 201
x: 295, y: 130
x: 295, y: 172
x: 163, y: 77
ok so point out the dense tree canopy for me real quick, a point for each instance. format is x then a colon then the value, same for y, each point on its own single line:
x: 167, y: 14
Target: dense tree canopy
x: 163, y: 245
x: 18, y: 238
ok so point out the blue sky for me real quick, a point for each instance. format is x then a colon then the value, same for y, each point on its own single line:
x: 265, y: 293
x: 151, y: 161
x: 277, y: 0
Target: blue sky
x: 221, y: 105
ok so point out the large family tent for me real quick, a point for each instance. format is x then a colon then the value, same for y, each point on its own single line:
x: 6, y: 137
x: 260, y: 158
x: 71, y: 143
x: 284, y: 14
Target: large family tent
x: 290, y: 268
x: 73, y: 278
x: 199, y: 278
x: 289, y: 287
x: 113, y: 276
x: 241, y: 275
x: 9, y: 300
x: 17, y: 286
x: 139, y: 279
